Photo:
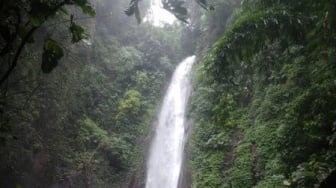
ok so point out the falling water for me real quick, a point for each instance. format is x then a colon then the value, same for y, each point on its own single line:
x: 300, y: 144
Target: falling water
x: 165, y: 159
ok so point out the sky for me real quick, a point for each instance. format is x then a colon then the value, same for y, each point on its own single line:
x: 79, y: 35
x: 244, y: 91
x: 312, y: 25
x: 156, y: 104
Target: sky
x: 159, y: 16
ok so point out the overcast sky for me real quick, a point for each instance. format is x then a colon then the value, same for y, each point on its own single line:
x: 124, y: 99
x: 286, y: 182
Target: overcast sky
x: 159, y: 16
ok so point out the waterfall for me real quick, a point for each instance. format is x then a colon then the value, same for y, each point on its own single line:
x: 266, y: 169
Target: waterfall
x: 166, y: 153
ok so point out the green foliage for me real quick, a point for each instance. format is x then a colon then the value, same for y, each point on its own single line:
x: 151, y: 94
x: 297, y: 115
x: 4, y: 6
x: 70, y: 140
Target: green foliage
x: 27, y: 17
x: 270, y: 91
x: 52, y: 53
x: 88, y: 9
x: 241, y: 174
x: 87, y: 123
x: 129, y: 107
x: 77, y: 32
x: 114, y: 149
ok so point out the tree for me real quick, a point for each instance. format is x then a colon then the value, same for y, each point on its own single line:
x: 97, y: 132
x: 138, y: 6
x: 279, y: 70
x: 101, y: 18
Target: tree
x: 19, y: 20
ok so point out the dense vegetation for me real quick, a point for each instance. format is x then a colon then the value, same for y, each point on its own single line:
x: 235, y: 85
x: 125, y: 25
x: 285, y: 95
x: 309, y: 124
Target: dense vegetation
x: 264, y: 104
x: 86, y: 123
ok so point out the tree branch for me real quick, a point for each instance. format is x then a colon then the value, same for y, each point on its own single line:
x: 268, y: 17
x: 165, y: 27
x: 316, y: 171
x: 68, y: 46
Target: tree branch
x: 17, y: 54
x: 25, y: 40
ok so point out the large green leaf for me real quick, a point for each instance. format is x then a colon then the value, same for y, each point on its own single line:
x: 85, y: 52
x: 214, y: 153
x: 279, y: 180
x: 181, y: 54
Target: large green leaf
x: 88, y: 9
x: 77, y: 32
x: 52, y: 53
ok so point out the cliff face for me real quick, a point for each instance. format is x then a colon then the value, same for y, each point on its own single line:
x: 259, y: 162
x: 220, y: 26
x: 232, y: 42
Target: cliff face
x: 263, y: 107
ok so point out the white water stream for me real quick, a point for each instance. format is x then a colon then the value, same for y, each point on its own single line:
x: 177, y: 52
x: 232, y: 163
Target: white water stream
x: 166, y: 153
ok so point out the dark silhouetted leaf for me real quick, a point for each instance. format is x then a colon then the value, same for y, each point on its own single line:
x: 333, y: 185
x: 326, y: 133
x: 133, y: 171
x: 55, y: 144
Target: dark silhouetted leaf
x: 77, y: 32
x: 202, y: 3
x: 177, y: 8
x: 129, y: 11
x: 87, y: 9
x: 64, y: 10
x: 81, y: 2
x: 52, y: 53
x: 180, y: 10
x: 137, y: 14
x: 133, y: 9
